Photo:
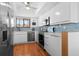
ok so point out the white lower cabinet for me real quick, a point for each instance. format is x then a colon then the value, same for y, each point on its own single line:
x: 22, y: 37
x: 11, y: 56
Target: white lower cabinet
x: 52, y: 43
x: 58, y: 44
x: 51, y: 52
x: 19, y: 37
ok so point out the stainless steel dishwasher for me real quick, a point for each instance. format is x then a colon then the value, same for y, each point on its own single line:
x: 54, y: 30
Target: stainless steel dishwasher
x: 31, y: 36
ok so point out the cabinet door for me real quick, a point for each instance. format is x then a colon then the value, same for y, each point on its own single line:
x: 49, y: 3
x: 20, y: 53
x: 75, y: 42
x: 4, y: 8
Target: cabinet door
x: 47, y: 43
x: 20, y: 37
x: 55, y: 45
x: 60, y: 14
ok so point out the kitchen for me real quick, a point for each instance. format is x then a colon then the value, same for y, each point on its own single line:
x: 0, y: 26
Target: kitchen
x: 53, y: 27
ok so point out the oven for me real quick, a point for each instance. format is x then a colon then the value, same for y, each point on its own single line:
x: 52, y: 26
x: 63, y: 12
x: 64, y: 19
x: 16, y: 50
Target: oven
x: 41, y: 39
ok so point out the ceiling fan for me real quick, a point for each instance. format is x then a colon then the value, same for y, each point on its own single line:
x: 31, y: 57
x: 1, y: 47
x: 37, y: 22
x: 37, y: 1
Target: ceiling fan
x: 28, y: 6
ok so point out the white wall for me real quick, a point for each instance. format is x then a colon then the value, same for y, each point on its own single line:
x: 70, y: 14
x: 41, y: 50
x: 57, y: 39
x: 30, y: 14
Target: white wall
x: 73, y: 43
x: 34, y: 19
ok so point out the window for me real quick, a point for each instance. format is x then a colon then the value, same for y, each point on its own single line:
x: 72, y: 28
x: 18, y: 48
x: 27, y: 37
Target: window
x: 23, y: 22
x: 17, y: 23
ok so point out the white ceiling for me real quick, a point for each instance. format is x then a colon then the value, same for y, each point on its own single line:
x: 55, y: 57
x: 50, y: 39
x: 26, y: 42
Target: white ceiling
x: 41, y: 8
x: 20, y: 9
x: 47, y: 7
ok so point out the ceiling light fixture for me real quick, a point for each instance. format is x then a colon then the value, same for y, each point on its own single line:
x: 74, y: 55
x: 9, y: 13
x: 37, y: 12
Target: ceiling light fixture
x: 27, y: 8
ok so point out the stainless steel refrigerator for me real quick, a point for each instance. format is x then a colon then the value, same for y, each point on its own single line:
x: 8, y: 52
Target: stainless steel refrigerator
x: 0, y: 32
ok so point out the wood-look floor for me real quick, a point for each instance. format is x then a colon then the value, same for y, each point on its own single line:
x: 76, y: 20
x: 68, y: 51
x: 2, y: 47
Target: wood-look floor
x: 29, y: 49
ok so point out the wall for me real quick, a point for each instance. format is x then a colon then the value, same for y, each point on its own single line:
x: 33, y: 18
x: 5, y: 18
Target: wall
x: 68, y: 28
x: 73, y: 27
x: 33, y: 19
x: 73, y: 43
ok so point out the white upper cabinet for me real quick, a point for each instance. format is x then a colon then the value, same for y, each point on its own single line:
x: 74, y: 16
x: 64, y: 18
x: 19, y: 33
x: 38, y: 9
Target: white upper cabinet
x: 60, y: 13
x: 64, y: 12
x: 74, y: 12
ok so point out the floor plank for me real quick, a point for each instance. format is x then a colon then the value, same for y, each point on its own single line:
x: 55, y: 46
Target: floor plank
x: 29, y: 49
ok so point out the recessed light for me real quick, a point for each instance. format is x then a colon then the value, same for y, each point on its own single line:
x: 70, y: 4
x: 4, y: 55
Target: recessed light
x: 57, y: 13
